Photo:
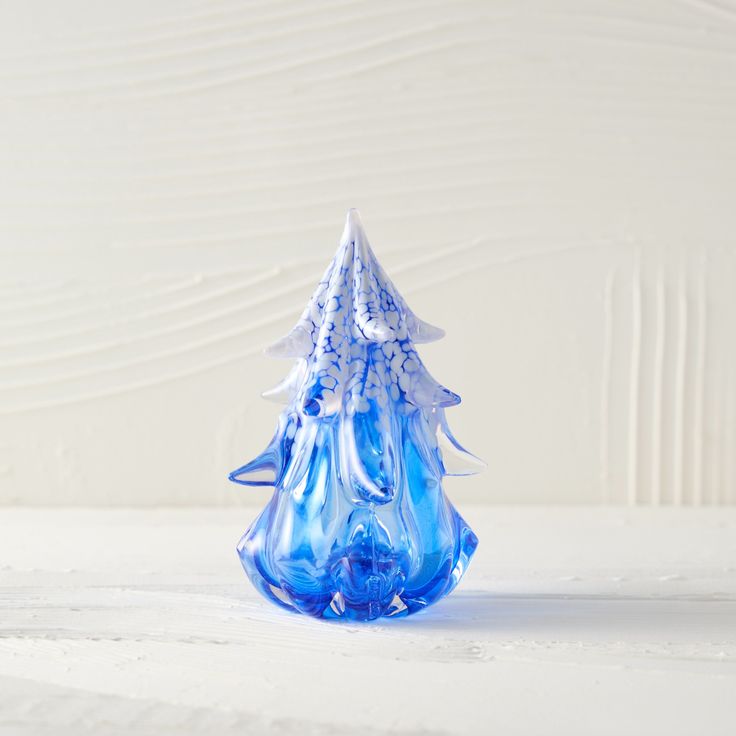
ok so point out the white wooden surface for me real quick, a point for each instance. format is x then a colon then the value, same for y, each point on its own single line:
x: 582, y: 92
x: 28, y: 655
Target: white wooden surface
x: 573, y: 621
x: 552, y: 182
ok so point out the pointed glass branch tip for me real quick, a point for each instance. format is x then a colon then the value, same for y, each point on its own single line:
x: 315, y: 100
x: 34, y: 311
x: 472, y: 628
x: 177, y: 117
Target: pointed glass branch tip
x: 455, y: 458
x: 353, y: 226
x: 423, y: 332
x: 296, y: 344
x: 258, y: 472
x: 286, y: 390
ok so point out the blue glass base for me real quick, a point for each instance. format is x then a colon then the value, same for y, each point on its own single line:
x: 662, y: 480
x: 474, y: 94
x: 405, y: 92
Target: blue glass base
x: 326, y: 548
x: 364, y: 579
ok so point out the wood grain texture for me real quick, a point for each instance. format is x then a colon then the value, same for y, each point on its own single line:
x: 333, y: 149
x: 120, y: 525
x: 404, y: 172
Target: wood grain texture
x: 569, y: 620
x: 551, y: 183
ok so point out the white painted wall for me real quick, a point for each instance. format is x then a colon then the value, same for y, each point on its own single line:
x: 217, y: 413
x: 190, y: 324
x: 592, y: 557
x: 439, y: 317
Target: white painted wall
x: 552, y: 182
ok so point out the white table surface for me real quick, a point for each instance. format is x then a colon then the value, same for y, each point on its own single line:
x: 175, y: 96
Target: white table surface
x: 589, y: 621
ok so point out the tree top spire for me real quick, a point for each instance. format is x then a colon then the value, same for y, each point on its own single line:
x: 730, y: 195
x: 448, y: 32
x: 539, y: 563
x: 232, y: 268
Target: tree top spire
x: 355, y: 310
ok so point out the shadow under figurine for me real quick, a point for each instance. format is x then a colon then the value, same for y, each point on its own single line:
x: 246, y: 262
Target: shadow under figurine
x: 358, y: 526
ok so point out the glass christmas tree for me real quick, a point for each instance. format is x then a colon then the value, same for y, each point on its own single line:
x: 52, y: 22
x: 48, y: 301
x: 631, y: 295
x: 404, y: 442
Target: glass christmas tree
x: 358, y: 526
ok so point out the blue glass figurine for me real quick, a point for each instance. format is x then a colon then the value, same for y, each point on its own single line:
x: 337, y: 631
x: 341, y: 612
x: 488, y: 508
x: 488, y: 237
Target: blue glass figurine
x: 358, y: 526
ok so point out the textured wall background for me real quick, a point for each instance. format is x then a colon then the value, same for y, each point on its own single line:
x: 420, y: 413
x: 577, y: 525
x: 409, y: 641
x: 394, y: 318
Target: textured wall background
x: 552, y: 182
